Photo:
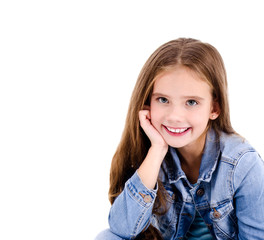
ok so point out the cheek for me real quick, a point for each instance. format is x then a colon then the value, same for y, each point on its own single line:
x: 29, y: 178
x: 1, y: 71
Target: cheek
x: 200, y: 118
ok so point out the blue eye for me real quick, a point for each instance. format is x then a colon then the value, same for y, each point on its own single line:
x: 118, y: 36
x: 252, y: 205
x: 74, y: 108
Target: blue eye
x: 191, y: 103
x: 163, y: 100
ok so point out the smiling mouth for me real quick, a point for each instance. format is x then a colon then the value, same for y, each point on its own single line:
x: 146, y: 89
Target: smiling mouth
x: 176, y: 130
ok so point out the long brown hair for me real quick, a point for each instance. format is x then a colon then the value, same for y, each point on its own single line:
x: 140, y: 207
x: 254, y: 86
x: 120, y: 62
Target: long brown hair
x: 200, y: 57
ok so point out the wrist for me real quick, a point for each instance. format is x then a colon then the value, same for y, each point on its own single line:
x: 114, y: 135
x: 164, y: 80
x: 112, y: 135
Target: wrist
x: 159, y: 150
x: 149, y: 169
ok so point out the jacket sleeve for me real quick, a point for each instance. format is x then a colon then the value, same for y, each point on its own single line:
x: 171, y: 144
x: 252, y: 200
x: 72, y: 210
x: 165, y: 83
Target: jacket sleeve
x: 132, y: 209
x: 249, y: 196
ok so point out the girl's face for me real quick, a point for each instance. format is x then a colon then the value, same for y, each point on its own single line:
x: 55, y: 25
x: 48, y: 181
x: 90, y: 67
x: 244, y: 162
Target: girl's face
x: 181, y: 106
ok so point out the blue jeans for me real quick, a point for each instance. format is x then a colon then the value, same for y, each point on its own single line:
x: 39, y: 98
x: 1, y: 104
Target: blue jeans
x: 107, y: 235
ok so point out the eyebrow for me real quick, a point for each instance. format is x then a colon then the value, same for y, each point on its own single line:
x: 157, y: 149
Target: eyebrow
x: 193, y: 97
x: 184, y: 97
x: 159, y: 94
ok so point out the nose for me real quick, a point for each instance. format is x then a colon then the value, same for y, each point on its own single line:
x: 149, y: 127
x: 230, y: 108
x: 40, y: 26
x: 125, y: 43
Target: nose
x: 175, y: 114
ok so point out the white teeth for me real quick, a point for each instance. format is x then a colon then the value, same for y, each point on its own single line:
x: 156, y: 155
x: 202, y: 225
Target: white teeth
x: 177, y: 130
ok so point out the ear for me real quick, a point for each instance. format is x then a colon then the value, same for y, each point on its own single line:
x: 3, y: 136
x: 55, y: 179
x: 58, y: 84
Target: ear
x: 215, y: 112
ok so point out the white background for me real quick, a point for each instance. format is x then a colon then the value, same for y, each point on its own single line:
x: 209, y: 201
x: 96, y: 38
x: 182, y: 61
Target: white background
x: 67, y: 72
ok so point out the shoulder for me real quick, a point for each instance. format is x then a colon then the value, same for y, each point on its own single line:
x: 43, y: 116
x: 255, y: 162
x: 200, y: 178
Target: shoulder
x: 246, y: 163
x: 234, y: 147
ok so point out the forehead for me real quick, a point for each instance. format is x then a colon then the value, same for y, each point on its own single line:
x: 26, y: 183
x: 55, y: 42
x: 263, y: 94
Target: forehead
x: 181, y: 81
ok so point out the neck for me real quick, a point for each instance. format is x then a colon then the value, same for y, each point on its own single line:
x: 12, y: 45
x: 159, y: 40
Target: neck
x: 191, y: 156
x: 194, y: 151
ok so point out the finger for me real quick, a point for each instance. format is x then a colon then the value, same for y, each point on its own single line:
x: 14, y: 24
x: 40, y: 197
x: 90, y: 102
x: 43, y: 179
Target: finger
x: 146, y: 112
x: 148, y: 115
x: 144, y: 118
x: 143, y: 114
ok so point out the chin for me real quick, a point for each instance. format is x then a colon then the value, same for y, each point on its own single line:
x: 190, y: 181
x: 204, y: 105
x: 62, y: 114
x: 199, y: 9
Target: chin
x: 174, y: 145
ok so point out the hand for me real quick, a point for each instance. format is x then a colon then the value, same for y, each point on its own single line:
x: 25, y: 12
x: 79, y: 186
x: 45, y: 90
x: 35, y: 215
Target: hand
x: 150, y: 167
x: 154, y: 136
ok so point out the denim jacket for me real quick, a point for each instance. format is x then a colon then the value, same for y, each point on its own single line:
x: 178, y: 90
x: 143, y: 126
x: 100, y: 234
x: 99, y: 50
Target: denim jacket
x: 229, y: 195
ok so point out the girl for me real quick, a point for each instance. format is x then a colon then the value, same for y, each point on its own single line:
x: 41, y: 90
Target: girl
x: 180, y: 170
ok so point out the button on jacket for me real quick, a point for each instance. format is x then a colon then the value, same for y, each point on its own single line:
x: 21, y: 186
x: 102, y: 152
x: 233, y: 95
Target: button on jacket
x: 229, y: 195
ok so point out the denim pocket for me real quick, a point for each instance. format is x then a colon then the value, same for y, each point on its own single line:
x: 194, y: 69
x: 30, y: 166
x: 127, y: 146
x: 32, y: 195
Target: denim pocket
x: 170, y: 195
x: 167, y: 222
x: 224, y: 220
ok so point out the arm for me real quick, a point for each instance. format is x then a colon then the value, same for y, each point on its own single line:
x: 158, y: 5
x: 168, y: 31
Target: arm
x: 249, y: 196
x: 149, y: 169
x: 131, y: 211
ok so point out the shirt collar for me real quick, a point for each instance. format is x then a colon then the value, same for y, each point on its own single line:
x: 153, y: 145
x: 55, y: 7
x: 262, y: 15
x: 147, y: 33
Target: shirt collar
x: 208, y: 163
